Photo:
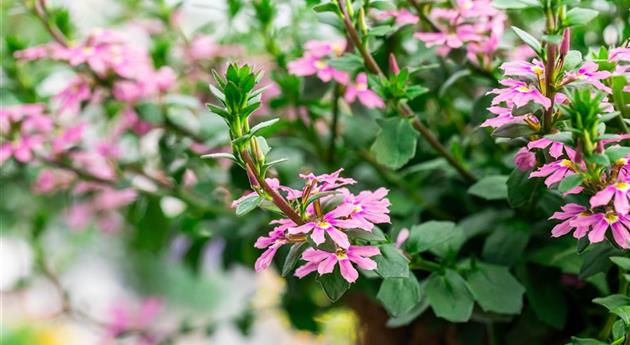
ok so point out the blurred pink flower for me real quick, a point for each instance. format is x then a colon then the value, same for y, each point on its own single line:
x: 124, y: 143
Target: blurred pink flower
x: 324, y: 262
x: 359, y: 89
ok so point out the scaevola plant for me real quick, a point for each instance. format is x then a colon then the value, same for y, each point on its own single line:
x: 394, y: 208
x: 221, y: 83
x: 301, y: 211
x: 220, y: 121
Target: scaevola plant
x: 319, y: 219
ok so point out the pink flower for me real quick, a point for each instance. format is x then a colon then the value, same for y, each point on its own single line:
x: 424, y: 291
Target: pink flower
x: 70, y: 99
x: 556, y: 149
x: 272, y: 242
x: 619, y: 54
x: 505, y: 116
x: 128, y: 91
x: 588, y: 73
x: 21, y: 149
x: 329, y: 224
x: 111, y: 199
x: 368, y: 208
x: 70, y: 137
x: 598, y: 223
x: 475, y: 8
x: 402, y: 237
x: 455, y: 39
x: 323, y: 48
x: 555, y: 171
x: 620, y: 191
x: 403, y: 16
x: 50, y: 180
x: 359, y: 89
x: 570, y: 212
x: 524, y: 159
x: 124, y: 318
x: 326, y: 182
x: 310, y: 65
x: 519, y: 93
x: 164, y: 78
x: 324, y: 262
x: 524, y: 68
x: 203, y: 47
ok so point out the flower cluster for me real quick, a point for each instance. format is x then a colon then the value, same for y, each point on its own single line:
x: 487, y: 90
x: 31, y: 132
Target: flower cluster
x: 473, y: 24
x: 328, y: 210
x: 106, y: 54
x: 576, y: 92
x: 315, y: 62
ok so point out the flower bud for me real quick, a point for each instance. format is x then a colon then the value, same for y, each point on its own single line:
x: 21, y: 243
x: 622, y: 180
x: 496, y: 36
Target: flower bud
x: 566, y: 42
x: 393, y: 64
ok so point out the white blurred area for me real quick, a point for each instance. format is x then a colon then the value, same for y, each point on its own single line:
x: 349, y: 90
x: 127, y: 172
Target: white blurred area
x: 70, y: 305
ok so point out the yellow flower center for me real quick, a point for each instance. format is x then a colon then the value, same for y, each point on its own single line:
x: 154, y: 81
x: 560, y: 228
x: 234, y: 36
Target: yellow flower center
x: 320, y: 64
x: 361, y: 86
x: 338, y: 48
x: 611, y: 217
x: 566, y: 163
x: 623, y: 186
x: 522, y: 89
x: 341, y: 254
x: 358, y: 209
x: 467, y: 5
x: 88, y: 50
x: 323, y: 224
x: 621, y: 161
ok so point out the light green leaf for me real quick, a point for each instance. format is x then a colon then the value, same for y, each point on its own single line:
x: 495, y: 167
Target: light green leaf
x: 427, y: 235
x: 495, y: 289
x: 399, y: 295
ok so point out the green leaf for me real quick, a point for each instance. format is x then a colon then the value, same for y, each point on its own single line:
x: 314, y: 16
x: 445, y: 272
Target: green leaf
x: 375, y: 235
x: 528, y: 39
x: 248, y: 205
x: 490, y: 188
x: 622, y: 262
x: 452, y: 80
x: 327, y: 7
x: 505, y: 246
x: 396, y: 143
x: 586, y: 341
x: 521, y: 189
x: 427, y: 235
x: 495, y: 289
x: 263, y: 125
x: 220, y: 155
x: 545, y: 296
x: 414, y: 91
x: 382, y: 5
x: 292, y: 258
x: 512, y: 130
x: 616, y: 153
x: 596, y: 259
x: 399, y: 295
x: 570, y: 182
x: 515, y: 4
x: 579, y: 16
x: 391, y: 263
x: 449, y: 296
x: 613, y: 301
x: 333, y: 284
x: 347, y: 62
x: 623, y: 312
x: 381, y: 30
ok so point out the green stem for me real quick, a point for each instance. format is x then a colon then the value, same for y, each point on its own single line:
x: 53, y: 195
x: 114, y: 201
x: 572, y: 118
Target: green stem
x: 405, y: 110
x: 334, y: 124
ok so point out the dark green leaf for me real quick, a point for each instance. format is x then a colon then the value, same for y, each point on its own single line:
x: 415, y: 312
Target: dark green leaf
x: 334, y: 285
x: 528, y: 39
x: 490, y: 188
x: 570, y: 182
x: 427, y: 235
x: 248, y: 205
x: 495, y: 289
x: 391, y: 263
x: 622, y: 262
x: 399, y: 295
x: 292, y: 258
x: 449, y: 296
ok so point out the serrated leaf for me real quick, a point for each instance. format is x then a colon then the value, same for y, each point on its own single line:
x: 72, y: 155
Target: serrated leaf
x: 427, y: 235
x: 396, y: 143
x: 399, y: 295
x: 495, y: 289
x: 449, y: 297
x: 391, y: 263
